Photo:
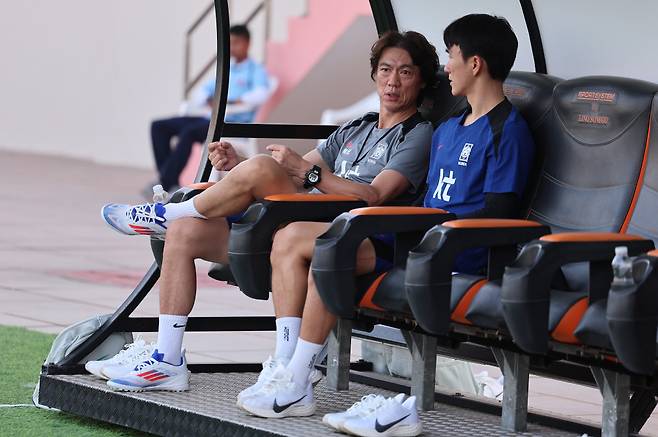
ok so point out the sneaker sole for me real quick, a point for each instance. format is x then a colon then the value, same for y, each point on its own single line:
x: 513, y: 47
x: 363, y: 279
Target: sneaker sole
x: 395, y: 431
x: 293, y: 411
x: 172, y: 386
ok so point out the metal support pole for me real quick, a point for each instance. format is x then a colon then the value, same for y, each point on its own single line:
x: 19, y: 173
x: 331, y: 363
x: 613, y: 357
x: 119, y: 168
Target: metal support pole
x: 338, y: 358
x: 516, y: 373
x: 615, y: 389
x: 423, y: 369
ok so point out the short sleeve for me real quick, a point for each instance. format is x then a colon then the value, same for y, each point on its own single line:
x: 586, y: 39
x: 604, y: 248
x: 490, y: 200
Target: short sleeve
x: 330, y: 147
x: 411, y: 156
x: 509, y: 163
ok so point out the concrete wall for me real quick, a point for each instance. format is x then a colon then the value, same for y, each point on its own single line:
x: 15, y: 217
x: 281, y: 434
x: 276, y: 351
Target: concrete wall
x: 84, y: 78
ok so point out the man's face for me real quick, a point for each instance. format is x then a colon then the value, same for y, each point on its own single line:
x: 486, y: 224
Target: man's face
x: 239, y: 47
x: 398, y: 80
x: 459, y: 71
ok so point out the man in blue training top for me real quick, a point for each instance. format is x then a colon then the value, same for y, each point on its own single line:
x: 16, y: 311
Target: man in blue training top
x: 480, y: 162
x: 248, y: 88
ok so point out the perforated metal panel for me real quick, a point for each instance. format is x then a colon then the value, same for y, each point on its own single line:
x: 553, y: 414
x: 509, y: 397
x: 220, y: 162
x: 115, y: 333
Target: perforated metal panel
x: 209, y: 409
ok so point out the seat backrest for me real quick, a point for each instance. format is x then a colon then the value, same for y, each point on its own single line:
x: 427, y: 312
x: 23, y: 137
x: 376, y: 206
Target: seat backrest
x: 532, y: 95
x: 439, y: 104
x: 643, y: 220
x: 595, y: 143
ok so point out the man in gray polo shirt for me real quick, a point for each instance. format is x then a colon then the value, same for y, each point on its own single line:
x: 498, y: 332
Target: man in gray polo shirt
x: 377, y: 158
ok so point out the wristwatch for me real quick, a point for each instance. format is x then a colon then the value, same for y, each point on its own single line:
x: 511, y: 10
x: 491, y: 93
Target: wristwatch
x: 312, y: 177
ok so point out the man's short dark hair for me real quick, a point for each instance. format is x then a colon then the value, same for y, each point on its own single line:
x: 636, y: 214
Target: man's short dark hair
x: 487, y: 36
x: 240, y: 30
x: 422, y: 52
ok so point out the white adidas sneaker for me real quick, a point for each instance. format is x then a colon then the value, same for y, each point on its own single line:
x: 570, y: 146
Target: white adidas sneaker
x: 154, y: 374
x: 366, y: 406
x: 131, y: 355
x: 392, y: 418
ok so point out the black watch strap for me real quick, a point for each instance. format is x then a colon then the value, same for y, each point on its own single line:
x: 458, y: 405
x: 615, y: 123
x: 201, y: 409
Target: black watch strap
x: 312, y: 177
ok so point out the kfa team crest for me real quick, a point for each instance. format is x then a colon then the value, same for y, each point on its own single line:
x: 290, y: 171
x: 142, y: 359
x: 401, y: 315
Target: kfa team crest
x: 379, y: 151
x: 466, y: 153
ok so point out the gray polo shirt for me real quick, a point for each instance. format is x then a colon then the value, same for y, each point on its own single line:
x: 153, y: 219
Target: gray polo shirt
x: 359, y: 151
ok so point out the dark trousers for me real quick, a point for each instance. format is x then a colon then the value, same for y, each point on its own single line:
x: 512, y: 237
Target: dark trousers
x: 171, y: 162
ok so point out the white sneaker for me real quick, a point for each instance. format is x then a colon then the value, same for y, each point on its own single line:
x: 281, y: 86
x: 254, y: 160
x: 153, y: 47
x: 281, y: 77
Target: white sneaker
x: 264, y: 376
x: 145, y: 219
x: 281, y: 397
x: 154, y: 374
x: 362, y: 408
x: 131, y: 355
x: 390, y: 419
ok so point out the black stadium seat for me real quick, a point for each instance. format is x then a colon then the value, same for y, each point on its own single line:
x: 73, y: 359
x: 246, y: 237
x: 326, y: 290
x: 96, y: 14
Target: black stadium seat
x: 590, y: 182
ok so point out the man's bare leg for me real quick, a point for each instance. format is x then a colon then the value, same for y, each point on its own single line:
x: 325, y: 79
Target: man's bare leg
x: 292, y: 250
x: 252, y: 179
x: 187, y: 239
x: 317, y: 321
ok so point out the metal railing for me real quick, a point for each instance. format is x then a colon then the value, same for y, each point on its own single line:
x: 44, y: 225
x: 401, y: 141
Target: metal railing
x: 189, y: 80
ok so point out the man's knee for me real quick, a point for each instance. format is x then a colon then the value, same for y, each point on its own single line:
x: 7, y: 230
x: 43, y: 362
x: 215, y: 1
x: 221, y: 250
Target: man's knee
x: 187, y: 237
x: 285, y: 245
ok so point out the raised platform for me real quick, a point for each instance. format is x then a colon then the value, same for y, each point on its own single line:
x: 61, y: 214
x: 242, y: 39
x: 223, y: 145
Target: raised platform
x: 209, y: 409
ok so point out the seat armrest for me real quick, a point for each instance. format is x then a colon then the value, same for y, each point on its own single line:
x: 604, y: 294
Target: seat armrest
x: 250, y: 240
x: 632, y: 316
x: 334, y: 256
x: 525, y: 293
x: 428, y: 279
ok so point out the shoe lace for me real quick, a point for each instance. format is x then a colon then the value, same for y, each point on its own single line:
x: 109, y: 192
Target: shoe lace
x: 366, y: 404
x: 135, y: 350
x: 144, y: 213
x: 279, y: 379
x: 269, y: 365
x: 385, y: 403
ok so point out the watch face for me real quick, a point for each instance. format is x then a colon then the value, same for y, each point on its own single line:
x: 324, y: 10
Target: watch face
x: 313, y: 178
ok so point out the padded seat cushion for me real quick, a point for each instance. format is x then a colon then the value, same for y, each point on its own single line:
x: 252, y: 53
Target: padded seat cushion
x: 486, y: 309
x: 593, y: 328
x: 565, y: 313
x: 464, y: 289
x: 389, y: 293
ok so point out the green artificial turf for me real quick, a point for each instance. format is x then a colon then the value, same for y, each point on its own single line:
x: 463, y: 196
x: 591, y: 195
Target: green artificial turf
x: 23, y: 354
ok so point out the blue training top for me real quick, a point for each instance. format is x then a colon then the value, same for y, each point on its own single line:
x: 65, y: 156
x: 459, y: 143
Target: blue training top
x: 491, y: 155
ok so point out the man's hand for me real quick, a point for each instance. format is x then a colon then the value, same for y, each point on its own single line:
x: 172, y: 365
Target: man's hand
x: 222, y: 155
x: 291, y: 161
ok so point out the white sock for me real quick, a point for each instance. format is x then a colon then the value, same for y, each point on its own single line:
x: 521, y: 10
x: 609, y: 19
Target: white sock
x: 175, y: 211
x: 303, y: 360
x: 287, y: 333
x: 170, y: 337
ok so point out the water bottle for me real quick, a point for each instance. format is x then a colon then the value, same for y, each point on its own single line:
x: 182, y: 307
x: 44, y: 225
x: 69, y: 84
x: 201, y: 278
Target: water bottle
x: 622, y: 267
x: 159, y: 194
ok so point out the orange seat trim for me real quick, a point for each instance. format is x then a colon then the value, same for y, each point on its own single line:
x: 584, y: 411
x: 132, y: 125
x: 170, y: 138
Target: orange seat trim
x: 459, y: 313
x: 491, y: 223
x: 366, y: 300
x: 306, y: 197
x: 578, y: 237
x: 640, y: 179
x: 563, y: 332
x: 201, y: 185
x: 396, y: 210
